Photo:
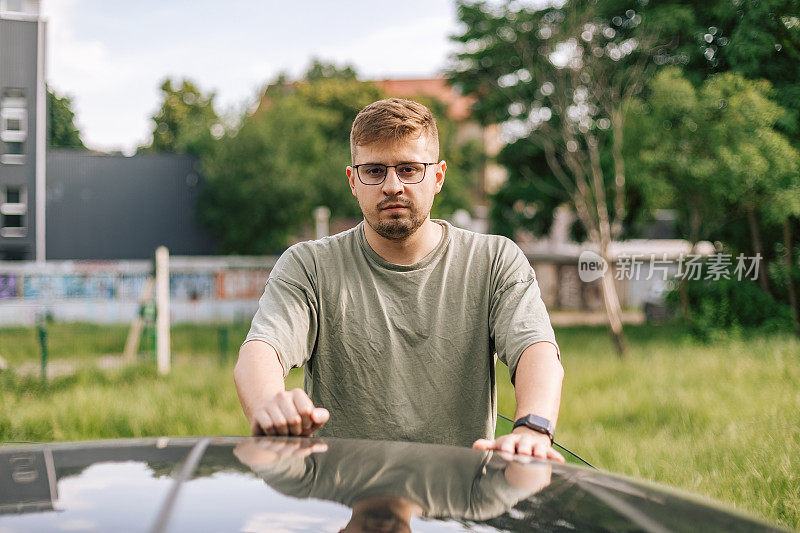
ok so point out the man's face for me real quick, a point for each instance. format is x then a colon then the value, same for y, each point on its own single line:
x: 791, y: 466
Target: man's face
x: 393, y: 209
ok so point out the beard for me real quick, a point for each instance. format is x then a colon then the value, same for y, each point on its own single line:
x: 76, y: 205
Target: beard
x: 396, y: 226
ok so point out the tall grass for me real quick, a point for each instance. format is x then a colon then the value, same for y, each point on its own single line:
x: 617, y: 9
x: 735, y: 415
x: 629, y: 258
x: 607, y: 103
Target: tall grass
x: 721, y: 420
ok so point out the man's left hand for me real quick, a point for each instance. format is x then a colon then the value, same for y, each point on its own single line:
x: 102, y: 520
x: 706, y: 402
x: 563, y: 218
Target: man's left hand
x: 522, y: 441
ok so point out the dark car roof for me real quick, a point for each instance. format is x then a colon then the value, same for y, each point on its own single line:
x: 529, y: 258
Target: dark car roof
x: 301, y: 484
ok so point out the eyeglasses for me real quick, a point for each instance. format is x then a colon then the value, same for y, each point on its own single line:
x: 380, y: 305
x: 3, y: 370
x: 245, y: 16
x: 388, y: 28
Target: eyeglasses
x: 375, y: 173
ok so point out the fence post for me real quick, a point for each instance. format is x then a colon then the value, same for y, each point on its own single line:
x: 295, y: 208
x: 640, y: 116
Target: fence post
x: 162, y: 310
x: 223, y: 344
x: 43, y: 344
x: 322, y: 217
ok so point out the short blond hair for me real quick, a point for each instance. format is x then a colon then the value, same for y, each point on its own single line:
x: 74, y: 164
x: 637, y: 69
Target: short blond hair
x: 391, y: 120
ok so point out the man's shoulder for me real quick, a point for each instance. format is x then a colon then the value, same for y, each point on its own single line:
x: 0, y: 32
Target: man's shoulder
x: 493, y: 245
x: 307, y: 254
x: 345, y: 239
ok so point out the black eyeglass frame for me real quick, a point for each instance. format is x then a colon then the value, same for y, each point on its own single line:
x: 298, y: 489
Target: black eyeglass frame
x: 424, y: 171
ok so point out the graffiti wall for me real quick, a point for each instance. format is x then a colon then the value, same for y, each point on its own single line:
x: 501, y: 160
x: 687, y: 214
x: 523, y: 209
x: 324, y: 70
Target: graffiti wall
x: 206, y: 289
x: 8, y: 286
x: 219, y: 284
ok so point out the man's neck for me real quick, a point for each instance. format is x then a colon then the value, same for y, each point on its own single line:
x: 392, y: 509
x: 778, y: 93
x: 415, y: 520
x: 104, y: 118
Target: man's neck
x: 411, y: 249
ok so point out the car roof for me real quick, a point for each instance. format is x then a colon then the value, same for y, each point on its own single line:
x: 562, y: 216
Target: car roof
x: 308, y: 484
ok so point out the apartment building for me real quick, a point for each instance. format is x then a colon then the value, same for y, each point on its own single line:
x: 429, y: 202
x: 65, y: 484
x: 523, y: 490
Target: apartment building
x: 22, y: 131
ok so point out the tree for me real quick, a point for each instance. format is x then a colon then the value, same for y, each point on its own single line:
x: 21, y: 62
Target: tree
x: 320, y: 70
x: 563, y: 79
x: 61, y: 129
x: 186, y: 122
x: 716, y: 149
x: 759, y: 39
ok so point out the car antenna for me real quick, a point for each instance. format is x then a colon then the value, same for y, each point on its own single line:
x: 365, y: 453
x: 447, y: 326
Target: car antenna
x: 557, y: 444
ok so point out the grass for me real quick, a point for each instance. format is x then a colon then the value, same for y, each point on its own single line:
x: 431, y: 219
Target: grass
x: 721, y: 420
x: 82, y: 342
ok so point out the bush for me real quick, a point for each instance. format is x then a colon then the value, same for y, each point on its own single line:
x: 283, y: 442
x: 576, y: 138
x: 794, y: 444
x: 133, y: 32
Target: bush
x: 723, y: 308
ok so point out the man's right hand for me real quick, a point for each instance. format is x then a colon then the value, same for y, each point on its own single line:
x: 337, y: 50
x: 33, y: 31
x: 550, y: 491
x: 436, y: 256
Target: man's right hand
x: 288, y: 413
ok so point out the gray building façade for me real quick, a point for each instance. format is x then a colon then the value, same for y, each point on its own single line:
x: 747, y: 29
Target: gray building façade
x: 22, y: 130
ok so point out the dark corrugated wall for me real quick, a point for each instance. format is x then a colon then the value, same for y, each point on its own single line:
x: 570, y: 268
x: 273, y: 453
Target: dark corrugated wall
x: 117, y: 207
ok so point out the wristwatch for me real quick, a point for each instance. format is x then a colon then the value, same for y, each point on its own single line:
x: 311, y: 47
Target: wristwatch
x: 538, y: 424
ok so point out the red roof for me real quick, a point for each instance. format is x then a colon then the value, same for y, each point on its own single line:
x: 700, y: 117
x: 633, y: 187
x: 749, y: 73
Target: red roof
x: 458, y: 105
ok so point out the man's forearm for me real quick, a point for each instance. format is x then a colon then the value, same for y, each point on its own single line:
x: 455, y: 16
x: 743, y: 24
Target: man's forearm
x: 258, y: 375
x: 537, y: 383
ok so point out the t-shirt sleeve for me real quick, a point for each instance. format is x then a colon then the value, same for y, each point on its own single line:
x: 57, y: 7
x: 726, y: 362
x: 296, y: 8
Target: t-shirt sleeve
x: 517, y: 316
x: 287, y: 311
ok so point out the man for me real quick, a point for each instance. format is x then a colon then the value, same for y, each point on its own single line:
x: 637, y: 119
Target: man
x: 397, y: 320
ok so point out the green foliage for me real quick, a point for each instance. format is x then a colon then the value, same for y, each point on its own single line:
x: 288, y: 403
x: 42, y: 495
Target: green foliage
x: 320, y: 70
x: 765, y: 43
x: 502, y: 43
x: 558, y: 79
x: 61, y: 129
x: 713, y: 150
x: 722, y: 308
x: 464, y: 162
x: 186, y: 121
x: 530, y: 196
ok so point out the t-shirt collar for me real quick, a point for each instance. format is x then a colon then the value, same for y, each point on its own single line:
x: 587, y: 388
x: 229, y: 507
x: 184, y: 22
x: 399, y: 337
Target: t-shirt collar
x: 434, y: 254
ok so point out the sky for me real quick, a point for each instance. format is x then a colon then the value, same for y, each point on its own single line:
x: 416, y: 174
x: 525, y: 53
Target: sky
x: 111, y: 56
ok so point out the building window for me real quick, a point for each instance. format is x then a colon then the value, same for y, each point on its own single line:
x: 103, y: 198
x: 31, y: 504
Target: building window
x: 14, y: 6
x: 13, y: 195
x: 14, y: 148
x: 13, y: 226
x: 13, y: 125
x: 13, y: 209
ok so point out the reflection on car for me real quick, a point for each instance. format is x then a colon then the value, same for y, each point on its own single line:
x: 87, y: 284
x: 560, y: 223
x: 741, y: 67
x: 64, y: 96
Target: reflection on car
x: 306, y: 484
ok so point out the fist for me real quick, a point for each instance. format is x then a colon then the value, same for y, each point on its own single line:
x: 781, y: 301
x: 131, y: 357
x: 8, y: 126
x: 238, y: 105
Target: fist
x: 288, y: 413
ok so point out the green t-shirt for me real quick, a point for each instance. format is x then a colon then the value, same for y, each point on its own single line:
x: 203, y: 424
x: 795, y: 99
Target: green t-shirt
x: 403, y: 352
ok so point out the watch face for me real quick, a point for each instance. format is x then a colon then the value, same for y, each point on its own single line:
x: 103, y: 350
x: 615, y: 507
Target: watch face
x: 536, y: 423
x: 541, y: 422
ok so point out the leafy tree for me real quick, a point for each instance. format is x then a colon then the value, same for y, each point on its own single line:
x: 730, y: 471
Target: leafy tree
x: 716, y: 149
x: 254, y: 197
x: 759, y: 39
x: 320, y: 70
x: 61, y: 129
x: 561, y: 79
x: 186, y: 122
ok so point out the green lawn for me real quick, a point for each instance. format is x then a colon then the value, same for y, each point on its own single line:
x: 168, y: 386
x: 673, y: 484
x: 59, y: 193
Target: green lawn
x: 721, y: 420
x: 85, y: 341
